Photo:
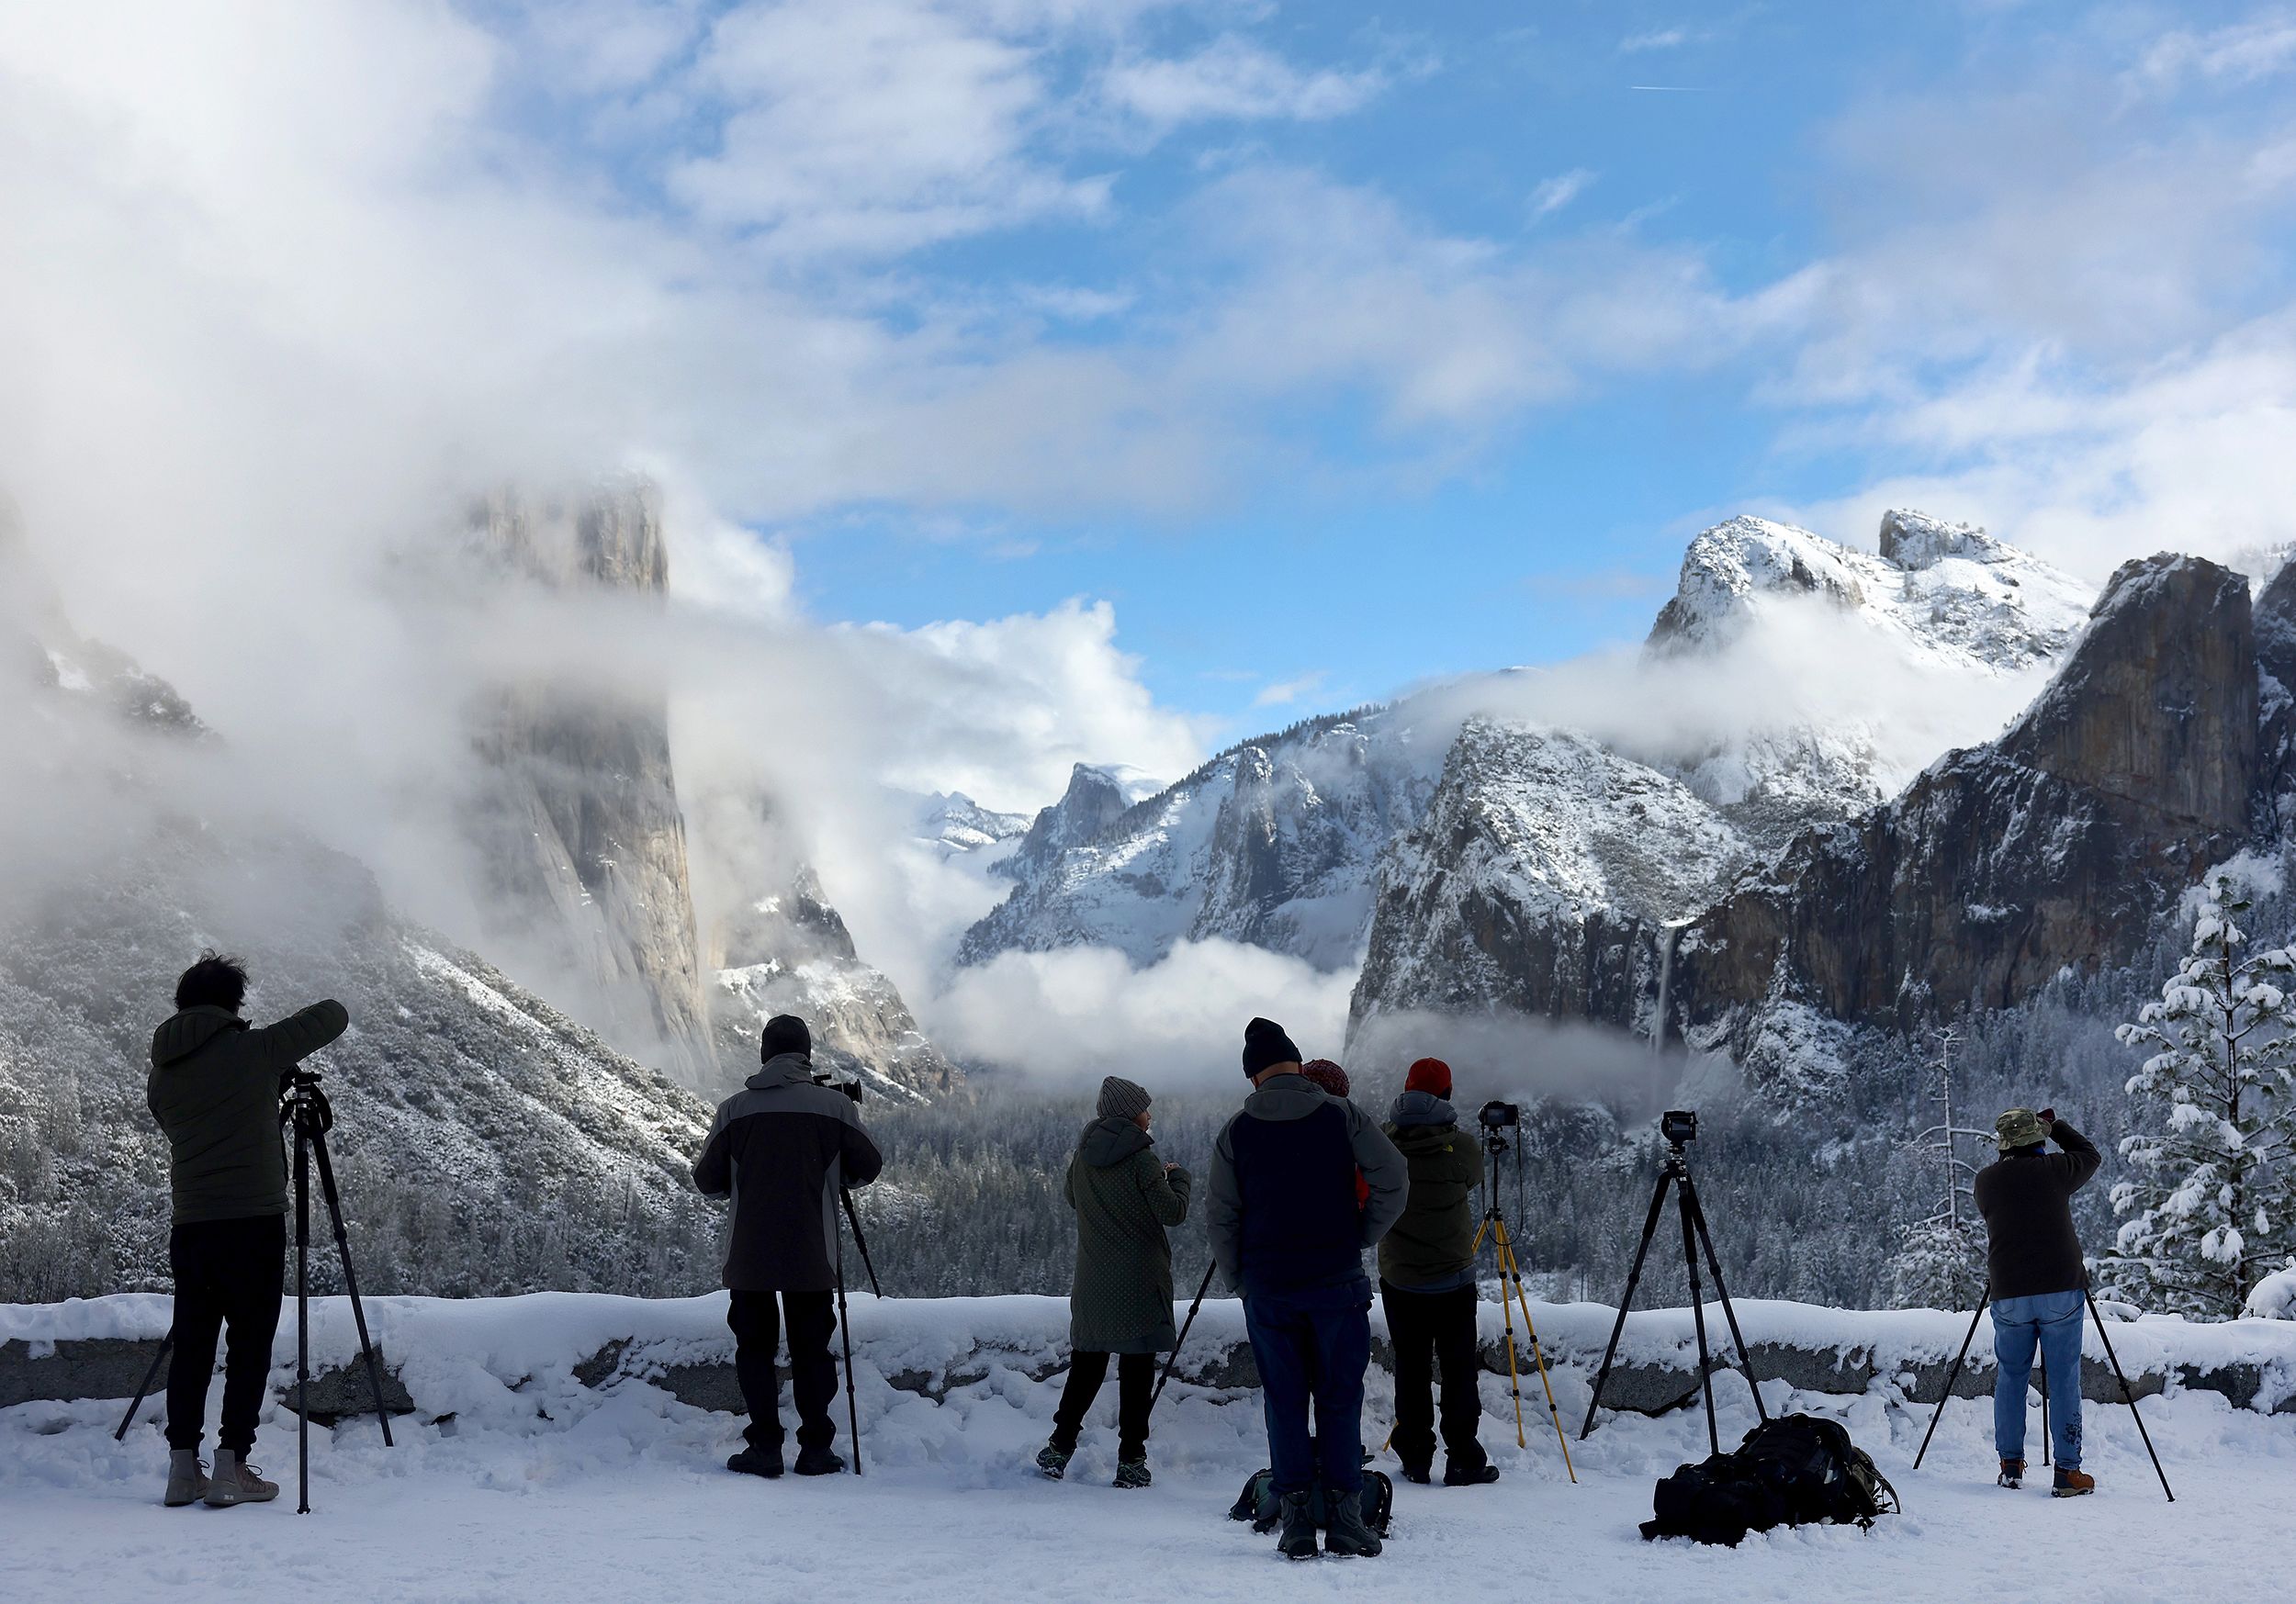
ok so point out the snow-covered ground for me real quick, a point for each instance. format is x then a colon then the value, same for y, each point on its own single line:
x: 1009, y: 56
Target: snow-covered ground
x: 550, y: 1490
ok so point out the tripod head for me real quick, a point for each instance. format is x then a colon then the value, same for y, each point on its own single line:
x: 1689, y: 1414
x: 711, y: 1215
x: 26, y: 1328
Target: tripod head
x: 303, y: 1103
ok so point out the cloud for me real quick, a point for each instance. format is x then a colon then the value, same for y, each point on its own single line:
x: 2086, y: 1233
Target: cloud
x: 1657, y: 38
x: 2260, y: 47
x: 1553, y: 194
x: 1233, y: 79
x: 1283, y: 693
x: 1178, y: 1023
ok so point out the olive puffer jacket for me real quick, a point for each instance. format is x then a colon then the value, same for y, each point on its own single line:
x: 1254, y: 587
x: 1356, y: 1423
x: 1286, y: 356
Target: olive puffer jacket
x: 1121, y: 1300
x: 1432, y: 1248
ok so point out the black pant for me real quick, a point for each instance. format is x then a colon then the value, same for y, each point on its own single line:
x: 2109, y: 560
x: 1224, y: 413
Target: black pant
x: 1135, y: 1384
x: 229, y: 1272
x: 1438, y: 1326
x: 756, y: 1329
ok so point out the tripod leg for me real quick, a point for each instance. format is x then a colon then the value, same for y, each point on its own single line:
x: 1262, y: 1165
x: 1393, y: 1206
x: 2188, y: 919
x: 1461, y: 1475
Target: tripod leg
x: 2044, y: 1372
x: 302, y: 1318
x: 1952, y: 1375
x: 350, y: 1279
x: 852, y: 1217
x: 1698, y: 1311
x: 1625, y: 1301
x: 144, y: 1391
x: 1514, y: 1270
x: 1174, y: 1358
x: 2129, y: 1394
x: 1729, y: 1312
x: 845, y: 1329
x: 1507, y: 1309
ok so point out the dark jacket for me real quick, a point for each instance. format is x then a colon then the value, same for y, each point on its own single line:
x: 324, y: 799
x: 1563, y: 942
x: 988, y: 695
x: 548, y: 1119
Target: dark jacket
x: 1281, y: 1206
x: 1121, y: 1301
x: 1432, y: 1248
x: 214, y: 1088
x: 781, y: 1147
x: 2026, y: 1199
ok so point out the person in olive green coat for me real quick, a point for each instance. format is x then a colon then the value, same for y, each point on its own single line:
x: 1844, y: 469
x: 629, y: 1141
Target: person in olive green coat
x: 1427, y: 1282
x: 1120, y: 1302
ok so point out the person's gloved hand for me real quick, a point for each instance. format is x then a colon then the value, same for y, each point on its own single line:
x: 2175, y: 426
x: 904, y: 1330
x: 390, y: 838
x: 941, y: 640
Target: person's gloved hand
x: 2049, y: 1118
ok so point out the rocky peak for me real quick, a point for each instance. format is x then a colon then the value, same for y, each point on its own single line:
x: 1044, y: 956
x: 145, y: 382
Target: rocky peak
x: 610, y: 536
x: 1098, y: 795
x: 2157, y: 708
x: 1914, y: 540
x: 1731, y: 564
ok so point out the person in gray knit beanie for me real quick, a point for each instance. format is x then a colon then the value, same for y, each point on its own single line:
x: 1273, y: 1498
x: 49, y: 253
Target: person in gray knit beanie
x: 1122, y: 1099
x: 1126, y: 1199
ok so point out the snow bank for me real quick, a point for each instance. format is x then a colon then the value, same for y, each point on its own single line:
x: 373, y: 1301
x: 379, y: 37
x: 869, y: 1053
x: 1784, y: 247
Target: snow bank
x: 499, y: 1358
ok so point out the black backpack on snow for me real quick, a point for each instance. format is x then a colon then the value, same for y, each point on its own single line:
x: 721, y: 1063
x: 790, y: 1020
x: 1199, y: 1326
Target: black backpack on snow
x: 1791, y: 1471
x: 1258, y: 1504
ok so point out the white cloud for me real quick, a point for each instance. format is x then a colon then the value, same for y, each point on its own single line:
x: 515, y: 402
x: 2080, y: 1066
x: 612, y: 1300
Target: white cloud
x: 1656, y: 38
x: 1553, y: 194
x: 1234, y: 79
x: 2259, y: 47
x: 1178, y: 1023
x: 1283, y: 693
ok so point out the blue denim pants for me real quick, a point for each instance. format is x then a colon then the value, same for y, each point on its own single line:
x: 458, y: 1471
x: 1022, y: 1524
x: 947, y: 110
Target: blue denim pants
x: 2051, y: 1321
x: 1312, y: 1348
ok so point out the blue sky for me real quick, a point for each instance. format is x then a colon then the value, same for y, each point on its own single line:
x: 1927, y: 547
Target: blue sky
x: 1332, y: 346
x: 1506, y: 162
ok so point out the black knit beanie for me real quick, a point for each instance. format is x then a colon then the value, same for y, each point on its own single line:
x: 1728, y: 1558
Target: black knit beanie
x: 1265, y: 1044
x: 784, y: 1033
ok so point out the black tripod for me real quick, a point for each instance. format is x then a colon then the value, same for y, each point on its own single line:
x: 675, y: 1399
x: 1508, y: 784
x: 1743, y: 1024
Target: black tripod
x: 1679, y: 1128
x: 1202, y: 1287
x: 2128, y: 1395
x: 306, y: 1112
x: 852, y: 1411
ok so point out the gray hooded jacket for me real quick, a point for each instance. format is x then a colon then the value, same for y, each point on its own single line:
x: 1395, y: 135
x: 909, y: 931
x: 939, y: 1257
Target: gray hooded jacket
x: 781, y: 1148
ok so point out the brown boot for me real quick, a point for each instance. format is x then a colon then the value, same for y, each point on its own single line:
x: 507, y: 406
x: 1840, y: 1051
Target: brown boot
x: 235, y: 1482
x: 2012, y: 1473
x: 2072, y: 1484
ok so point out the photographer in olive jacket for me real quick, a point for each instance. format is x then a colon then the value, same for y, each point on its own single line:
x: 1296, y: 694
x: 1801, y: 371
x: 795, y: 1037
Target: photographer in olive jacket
x: 214, y: 1088
x: 1126, y: 1200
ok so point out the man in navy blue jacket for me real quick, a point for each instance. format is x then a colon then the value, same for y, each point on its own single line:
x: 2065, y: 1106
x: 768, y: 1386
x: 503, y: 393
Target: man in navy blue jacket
x: 1288, y: 1231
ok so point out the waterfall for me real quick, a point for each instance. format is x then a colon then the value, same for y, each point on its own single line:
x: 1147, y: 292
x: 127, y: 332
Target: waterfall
x: 1670, y: 935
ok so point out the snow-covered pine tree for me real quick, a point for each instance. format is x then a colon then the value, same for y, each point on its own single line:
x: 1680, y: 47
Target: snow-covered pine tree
x: 1938, y: 1256
x: 2212, y: 1210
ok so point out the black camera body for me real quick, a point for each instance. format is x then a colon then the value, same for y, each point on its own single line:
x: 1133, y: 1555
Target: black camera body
x: 1498, y: 1116
x: 851, y: 1088
x: 1679, y: 1125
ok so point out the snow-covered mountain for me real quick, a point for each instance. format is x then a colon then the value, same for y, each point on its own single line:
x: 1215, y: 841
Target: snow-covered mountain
x: 953, y: 821
x: 1278, y: 841
x: 481, y: 1134
x: 1271, y: 843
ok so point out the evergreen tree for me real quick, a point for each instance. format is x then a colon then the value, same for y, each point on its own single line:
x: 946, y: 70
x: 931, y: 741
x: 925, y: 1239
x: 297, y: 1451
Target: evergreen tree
x: 2212, y: 1208
x: 1938, y: 1256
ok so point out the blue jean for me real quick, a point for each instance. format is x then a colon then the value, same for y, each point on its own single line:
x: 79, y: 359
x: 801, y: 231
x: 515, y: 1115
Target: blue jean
x: 1312, y: 1347
x: 2052, y: 1321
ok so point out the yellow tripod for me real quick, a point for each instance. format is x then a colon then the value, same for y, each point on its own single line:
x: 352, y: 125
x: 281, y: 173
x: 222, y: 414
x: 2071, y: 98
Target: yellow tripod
x: 1511, y: 1298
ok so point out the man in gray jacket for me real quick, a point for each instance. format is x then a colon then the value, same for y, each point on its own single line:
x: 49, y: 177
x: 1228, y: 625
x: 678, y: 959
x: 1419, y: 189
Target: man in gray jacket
x: 1288, y: 1230
x: 783, y: 1149
x: 214, y: 1088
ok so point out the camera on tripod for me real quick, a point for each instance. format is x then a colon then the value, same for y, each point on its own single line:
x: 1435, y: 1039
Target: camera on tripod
x: 1679, y: 1125
x: 1500, y: 1116
x: 850, y: 1086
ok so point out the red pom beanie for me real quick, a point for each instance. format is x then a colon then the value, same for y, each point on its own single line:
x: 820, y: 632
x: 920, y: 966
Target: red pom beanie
x: 1431, y: 1076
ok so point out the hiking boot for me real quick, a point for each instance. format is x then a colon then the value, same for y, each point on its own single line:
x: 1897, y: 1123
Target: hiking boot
x: 818, y: 1462
x: 764, y: 1462
x: 1133, y: 1473
x: 235, y: 1482
x: 1297, y: 1539
x: 1052, y: 1460
x: 1469, y: 1475
x: 1348, y: 1532
x: 2072, y: 1484
x: 1420, y: 1474
x: 186, y: 1477
x: 2012, y: 1474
